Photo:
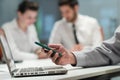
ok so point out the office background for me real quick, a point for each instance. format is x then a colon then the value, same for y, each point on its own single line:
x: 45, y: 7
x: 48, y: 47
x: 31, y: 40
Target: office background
x: 105, y: 11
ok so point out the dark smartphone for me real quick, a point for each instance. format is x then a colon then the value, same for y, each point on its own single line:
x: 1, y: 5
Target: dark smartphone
x: 48, y: 49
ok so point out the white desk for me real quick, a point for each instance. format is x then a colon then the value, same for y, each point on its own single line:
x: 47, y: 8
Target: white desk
x: 71, y: 75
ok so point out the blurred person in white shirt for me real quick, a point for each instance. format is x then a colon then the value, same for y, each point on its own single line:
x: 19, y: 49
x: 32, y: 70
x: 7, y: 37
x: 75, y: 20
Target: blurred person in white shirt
x: 75, y: 31
x: 21, y: 33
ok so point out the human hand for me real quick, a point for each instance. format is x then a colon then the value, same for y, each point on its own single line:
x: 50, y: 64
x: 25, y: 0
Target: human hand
x: 78, y: 47
x: 66, y: 58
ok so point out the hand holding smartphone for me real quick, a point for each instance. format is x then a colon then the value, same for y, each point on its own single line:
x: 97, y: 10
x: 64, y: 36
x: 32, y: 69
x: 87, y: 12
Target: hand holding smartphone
x: 47, y: 48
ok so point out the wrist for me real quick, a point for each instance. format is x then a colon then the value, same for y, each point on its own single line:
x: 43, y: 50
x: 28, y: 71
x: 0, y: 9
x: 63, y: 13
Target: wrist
x: 72, y: 59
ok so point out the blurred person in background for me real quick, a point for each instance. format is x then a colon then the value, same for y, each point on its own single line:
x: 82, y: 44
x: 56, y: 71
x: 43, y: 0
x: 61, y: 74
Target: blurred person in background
x: 21, y: 33
x: 75, y: 31
x: 1, y: 33
x: 108, y: 53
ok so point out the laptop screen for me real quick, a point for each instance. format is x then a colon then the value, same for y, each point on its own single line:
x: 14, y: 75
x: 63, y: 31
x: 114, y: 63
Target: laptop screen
x: 7, y: 54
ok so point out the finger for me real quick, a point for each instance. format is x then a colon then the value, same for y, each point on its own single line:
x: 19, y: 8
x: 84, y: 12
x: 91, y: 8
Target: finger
x: 57, y: 61
x: 42, y: 50
x: 49, y: 53
x: 55, y: 57
x: 60, y: 49
x: 46, y: 51
x: 60, y: 61
x: 43, y: 56
x: 56, y: 46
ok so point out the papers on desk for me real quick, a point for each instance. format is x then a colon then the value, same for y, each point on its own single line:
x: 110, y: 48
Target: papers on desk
x: 3, y: 68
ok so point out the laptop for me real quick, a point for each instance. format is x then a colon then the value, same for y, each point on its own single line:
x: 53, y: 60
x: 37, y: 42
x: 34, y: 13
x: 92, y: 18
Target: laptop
x: 30, y: 71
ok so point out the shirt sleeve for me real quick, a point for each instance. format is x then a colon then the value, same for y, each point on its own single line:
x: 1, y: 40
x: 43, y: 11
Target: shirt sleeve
x: 106, y: 54
x: 97, y: 37
x: 56, y: 35
x: 17, y: 54
x: 34, y: 38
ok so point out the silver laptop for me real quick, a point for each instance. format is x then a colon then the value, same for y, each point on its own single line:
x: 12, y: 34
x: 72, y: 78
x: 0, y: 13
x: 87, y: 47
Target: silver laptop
x: 26, y: 72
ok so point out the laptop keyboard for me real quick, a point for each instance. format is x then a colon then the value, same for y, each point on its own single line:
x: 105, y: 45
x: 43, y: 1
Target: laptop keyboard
x: 53, y: 68
x: 36, y: 69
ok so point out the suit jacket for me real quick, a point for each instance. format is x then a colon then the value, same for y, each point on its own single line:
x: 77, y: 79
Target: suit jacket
x: 106, y: 54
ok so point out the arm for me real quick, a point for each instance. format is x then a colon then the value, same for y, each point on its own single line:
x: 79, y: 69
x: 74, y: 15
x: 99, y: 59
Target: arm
x: 17, y: 54
x: 108, y: 53
x: 34, y: 38
x: 55, y: 35
x: 97, y: 35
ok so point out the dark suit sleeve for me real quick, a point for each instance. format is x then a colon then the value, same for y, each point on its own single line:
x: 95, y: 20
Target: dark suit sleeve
x: 107, y: 54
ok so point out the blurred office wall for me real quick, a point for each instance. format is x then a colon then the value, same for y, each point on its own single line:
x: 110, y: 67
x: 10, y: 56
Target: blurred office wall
x: 48, y: 15
x: 105, y: 11
x: 8, y: 10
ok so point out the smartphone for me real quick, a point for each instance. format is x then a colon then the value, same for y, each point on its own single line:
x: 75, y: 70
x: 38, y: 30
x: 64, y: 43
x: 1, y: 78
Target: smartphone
x: 47, y: 48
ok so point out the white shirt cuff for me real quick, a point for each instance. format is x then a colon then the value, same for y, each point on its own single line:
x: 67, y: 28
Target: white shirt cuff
x: 80, y: 59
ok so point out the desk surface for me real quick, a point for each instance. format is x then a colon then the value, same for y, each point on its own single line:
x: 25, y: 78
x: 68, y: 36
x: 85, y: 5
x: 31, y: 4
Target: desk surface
x: 72, y: 74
